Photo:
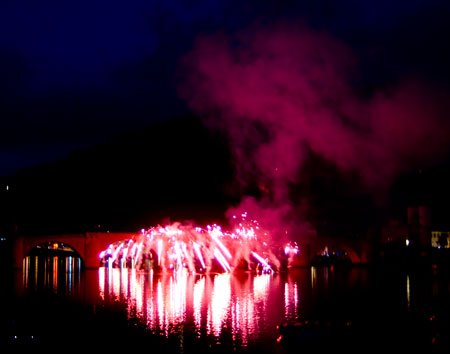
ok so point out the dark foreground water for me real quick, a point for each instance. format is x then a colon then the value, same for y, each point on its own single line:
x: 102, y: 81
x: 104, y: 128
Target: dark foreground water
x: 55, y: 305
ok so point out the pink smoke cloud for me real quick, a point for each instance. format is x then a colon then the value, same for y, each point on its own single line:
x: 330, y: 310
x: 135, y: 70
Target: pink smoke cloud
x: 279, y: 91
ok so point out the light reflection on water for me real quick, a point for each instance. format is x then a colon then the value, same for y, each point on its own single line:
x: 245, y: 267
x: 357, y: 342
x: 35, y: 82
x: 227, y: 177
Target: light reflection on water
x: 242, y: 308
x: 209, y: 304
x: 61, y: 275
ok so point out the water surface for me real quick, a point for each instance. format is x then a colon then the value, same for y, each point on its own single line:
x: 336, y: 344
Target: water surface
x: 58, y: 302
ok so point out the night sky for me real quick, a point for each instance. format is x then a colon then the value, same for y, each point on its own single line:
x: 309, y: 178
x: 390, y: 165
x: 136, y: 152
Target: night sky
x: 75, y: 74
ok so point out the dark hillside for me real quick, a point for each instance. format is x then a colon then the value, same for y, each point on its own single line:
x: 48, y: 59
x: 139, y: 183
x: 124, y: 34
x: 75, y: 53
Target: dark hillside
x: 174, y: 169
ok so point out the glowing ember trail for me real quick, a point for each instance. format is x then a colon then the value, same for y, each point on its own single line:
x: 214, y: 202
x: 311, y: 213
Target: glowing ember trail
x: 199, y: 249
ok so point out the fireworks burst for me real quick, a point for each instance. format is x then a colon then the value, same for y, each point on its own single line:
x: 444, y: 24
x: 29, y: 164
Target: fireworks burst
x: 197, y: 249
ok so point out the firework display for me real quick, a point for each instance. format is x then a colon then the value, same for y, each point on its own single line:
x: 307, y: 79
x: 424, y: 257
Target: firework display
x: 197, y: 249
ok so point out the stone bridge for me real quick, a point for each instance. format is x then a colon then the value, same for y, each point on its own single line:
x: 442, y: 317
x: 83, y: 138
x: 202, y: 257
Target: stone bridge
x: 87, y: 245
x: 359, y: 251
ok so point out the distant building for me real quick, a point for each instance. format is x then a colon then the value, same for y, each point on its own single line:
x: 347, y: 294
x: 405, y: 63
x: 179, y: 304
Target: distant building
x: 417, y: 230
x: 394, y: 232
x: 419, y: 225
x: 440, y: 239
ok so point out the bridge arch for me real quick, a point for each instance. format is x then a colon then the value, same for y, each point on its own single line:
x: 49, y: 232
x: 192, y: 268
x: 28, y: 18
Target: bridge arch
x: 86, y: 245
x: 26, y: 244
x: 53, y: 248
x: 358, y: 251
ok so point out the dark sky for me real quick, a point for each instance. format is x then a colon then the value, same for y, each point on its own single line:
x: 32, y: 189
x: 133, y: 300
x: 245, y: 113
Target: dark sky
x: 73, y: 74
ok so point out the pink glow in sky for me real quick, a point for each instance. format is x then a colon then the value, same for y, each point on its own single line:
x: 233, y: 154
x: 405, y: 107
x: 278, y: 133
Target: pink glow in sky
x: 279, y: 91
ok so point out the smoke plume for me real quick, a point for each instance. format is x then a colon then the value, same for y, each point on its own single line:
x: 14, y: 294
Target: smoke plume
x: 282, y: 91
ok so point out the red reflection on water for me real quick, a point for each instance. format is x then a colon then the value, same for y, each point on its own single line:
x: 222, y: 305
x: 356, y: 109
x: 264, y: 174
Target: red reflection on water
x: 207, y: 304
x: 60, y: 274
x: 55, y: 274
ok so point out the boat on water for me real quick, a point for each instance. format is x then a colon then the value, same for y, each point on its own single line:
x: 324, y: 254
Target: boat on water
x: 331, y: 258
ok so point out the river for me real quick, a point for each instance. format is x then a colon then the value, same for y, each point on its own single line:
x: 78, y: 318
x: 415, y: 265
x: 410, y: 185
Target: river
x: 54, y: 303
